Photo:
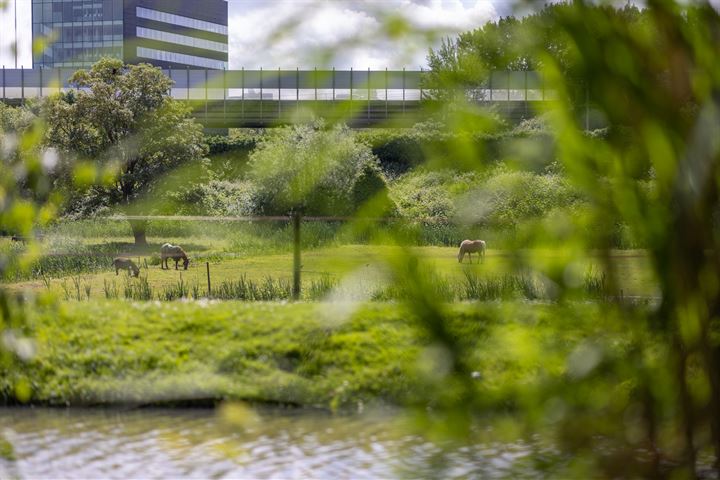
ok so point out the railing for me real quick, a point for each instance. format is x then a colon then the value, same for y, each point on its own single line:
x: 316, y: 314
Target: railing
x: 226, y: 98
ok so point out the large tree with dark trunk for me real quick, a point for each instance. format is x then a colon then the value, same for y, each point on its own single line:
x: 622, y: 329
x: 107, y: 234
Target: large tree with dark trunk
x: 121, y: 118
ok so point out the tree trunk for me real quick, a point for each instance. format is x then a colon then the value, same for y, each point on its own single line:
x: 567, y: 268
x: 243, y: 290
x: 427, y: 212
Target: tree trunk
x: 138, y: 229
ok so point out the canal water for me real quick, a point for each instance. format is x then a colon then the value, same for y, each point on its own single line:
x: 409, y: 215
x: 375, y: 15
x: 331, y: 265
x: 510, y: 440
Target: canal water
x: 239, y: 442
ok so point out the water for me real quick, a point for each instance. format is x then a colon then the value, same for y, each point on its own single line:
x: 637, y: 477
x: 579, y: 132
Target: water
x: 269, y: 443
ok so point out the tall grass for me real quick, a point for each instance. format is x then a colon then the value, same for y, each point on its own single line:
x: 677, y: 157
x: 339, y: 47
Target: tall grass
x: 248, y: 290
x: 66, y: 290
x: 505, y: 287
x: 76, y: 280
x: 595, y: 285
x: 103, y: 227
x: 472, y: 287
x: 110, y: 290
x: 174, y: 292
x: 254, y: 236
x: 320, y: 288
x: 138, y: 288
x: 60, y: 265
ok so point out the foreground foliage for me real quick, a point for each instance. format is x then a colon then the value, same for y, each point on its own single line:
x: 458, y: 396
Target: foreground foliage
x: 526, y: 362
x: 625, y: 391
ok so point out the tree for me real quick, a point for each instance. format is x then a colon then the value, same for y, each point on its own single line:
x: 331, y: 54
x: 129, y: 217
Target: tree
x: 313, y: 170
x: 515, y: 44
x: 18, y: 119
x: 122, y: 118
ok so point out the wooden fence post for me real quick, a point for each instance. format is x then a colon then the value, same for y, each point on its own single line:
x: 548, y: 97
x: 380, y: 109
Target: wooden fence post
x: 296, y: 256
x: 207, y: 266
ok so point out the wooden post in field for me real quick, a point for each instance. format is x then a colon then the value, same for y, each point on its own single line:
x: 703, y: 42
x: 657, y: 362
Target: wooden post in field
x: 207, y: 266
x: 296, y: 256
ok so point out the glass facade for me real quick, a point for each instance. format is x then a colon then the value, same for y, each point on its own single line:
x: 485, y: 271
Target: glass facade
x: 177, y: 39
x: 166, y: 33
x: 177, y: 33
x: 180, y: 58
x: 181, y: 21
x: 78, y: 32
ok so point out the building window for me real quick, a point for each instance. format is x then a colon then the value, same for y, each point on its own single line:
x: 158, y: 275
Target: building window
x: 180, y: 20
x: 181, y: 39
x: 181, y: 58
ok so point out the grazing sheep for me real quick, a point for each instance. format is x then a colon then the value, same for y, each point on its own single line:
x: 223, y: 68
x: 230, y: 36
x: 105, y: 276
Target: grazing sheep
x: 125, y: 264
x: 176, y: 253
x: 470, y: 247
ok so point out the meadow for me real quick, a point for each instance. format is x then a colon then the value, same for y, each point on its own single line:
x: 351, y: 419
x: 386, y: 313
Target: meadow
x: 255, y: 262
x: 353, y: 339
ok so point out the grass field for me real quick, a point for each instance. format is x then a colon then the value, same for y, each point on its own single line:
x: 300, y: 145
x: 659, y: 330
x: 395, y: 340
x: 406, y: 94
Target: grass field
x: 334, y: 351
x: 365, y: 266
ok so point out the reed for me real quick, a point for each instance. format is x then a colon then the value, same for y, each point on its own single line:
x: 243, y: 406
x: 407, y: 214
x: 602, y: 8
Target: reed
x: 249, y: 290
x: 137, y: 288
x: 110, y: 290
x: 175, y: 292
x: 595, y: 284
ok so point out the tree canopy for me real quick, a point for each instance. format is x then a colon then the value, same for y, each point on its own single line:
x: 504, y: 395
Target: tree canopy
x: 518, y: 44
x: 314, y: 170
x: 122, y: 118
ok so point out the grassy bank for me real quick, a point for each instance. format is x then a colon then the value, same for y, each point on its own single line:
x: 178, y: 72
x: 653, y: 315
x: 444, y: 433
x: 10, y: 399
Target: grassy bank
x: 321, y: 354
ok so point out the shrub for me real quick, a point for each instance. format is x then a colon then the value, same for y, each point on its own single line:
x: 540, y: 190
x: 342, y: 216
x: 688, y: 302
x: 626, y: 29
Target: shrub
x: 430, y: 194
x: 219, y: 198
x: 401, y: 151
x: 239, y: 140
x: 368, y: 182
x: 459, y: 205
x: 397, y: 153
x: 312, y: 169
x: 508, y: 198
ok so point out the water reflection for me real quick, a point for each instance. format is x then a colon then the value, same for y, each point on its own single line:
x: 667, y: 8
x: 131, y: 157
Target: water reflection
x: 276, y: 444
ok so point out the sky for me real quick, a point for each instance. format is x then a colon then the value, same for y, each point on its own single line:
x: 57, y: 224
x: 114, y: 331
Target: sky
x: 307, y: 33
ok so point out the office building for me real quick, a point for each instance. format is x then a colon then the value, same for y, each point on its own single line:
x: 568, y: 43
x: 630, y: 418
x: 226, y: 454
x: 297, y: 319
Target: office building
x: 166, y: 33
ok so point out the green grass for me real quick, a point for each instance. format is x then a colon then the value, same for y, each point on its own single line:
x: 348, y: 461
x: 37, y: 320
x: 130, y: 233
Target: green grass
x: 360, y: 268
x: 88, y: 246
x: 320, y: 354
